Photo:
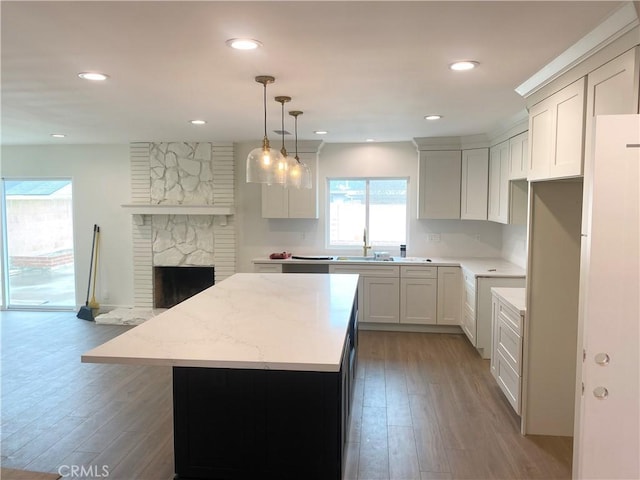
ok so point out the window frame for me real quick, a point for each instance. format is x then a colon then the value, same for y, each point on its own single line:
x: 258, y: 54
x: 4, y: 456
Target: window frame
x: 367, y: 180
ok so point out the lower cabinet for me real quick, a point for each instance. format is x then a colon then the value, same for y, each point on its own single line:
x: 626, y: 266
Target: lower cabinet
x: 407, y: 294
x: 506, y: 359
x: 418, y: 295
x: 476, y: 320
x: 381, y: 298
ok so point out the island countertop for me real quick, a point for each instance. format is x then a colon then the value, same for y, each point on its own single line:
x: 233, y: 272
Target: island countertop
x: 253, y: 321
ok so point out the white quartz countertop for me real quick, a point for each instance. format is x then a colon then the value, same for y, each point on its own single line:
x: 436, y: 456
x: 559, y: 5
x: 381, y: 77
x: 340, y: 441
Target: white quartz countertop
x: 516, y: 297
x: 477, y: 266
x: 250, y: 320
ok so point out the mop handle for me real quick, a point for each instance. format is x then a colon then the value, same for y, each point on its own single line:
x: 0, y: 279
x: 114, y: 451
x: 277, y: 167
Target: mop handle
x: 95, y: 270
x: 93, y: 245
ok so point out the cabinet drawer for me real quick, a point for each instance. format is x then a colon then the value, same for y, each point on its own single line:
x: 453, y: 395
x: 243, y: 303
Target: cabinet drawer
x: 469, y: 325
x: 509, y: 345
x: 511, y: 317
x: 367, y: 270
x: 509, y: 382
x: 470, y: 298
x: 419, y: 272
x: 267, y: 267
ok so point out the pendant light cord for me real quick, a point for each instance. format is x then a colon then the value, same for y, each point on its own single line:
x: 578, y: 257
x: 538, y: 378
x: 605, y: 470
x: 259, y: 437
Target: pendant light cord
x: 264, y: 102
x: 296, y: 131
x: 283, y: 150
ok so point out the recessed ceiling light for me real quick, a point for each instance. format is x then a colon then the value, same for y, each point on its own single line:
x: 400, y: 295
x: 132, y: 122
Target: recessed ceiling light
x: 370, y: 140
x: 197, y: 122
x: 464, y: 65
x: 58, y: 135
x: 94, y: 76
x: 243, y: 43
x: 320, y: 132
x: 432, y: 117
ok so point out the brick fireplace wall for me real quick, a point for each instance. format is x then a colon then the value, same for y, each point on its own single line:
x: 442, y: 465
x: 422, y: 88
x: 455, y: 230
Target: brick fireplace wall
x: 181, y: 173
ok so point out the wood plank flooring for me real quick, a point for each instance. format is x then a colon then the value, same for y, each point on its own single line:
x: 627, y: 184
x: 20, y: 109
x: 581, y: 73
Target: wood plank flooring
x: 425, y: 408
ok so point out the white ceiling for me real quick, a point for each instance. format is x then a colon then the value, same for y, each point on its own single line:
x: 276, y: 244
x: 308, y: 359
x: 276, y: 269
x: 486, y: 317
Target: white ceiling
x: 357, y: 69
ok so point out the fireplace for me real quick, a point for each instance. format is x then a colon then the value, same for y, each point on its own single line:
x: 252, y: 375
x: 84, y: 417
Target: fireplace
x: 172, y: 285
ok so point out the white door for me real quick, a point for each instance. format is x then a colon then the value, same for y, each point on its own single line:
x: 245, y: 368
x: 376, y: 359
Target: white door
x: 608, y: 427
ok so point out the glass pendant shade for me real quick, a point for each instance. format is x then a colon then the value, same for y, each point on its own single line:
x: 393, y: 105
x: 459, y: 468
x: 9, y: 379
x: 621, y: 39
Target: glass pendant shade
x: 264, y: 164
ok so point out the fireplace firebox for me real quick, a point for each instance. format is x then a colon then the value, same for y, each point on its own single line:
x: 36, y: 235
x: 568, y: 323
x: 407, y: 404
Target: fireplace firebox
x: 172, y: 285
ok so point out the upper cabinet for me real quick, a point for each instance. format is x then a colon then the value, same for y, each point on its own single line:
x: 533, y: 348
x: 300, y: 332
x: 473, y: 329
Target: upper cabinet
x: 281, y: 202
x: 518, y: 156
x: 439, y: 184
x: 556, y: 134
x: 475, y: 175
x: 498, y: 207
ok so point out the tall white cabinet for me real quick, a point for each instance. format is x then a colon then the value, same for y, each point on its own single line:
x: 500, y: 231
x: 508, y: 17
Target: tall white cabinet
x: 474, y: 181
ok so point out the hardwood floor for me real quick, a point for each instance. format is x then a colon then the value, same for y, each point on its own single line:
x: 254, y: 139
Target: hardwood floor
x: 425, y: 408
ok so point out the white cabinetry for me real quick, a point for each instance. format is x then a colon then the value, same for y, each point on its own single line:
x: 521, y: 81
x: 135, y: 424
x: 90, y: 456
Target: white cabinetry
x: 498, y: 210
x: 281, y: 202
x: 439, y: 184
x: 267, y: 267
x: 449, y: 288
x: 506, y: 358
x: 518, y: 156
x: 556, y: 134
x: 476, y: 322
x: 378, y: 291
x: 473, y: 194
x: 418, y: 295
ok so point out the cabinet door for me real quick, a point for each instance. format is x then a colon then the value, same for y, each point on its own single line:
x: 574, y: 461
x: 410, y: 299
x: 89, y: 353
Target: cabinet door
x: 495, y: 322
x: 518, y: 156
x: 303, y: 202
x: 449, y: 295
x: 499, y: 183
x: 473, y: 196
x: 439, y: 184
x: 381, y: 299
x: 275, y: 201
x: 611, y: 89
x: 568, y: 129
x: 418, y: 300
x: 540, y: 139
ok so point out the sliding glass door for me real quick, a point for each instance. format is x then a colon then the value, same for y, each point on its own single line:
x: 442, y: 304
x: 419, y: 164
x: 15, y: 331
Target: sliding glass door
x: 38, y: 244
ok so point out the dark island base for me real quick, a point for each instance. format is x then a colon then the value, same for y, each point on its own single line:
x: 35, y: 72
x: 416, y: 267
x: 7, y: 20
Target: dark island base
x: 260, y: 424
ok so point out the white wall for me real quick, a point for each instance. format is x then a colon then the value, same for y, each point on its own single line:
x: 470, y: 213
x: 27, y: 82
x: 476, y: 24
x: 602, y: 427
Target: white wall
x: 514, y: 243
x: 101, y: 183
x: 257, y: 237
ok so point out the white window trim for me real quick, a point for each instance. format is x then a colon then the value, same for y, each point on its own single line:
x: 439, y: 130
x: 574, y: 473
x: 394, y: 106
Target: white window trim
x: 358, y: 248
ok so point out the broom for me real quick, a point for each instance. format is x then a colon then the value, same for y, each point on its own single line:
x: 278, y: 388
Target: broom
x: 93, y: 304
x: 85, y: 312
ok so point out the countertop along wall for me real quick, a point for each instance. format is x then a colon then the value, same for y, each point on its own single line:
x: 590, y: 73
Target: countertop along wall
x: 101, y: 183
x: 258, y: 237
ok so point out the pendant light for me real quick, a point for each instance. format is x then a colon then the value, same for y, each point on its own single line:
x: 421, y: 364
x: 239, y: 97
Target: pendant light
x: 263, y: 162
x: 299, y: 174
x: 286, y: 161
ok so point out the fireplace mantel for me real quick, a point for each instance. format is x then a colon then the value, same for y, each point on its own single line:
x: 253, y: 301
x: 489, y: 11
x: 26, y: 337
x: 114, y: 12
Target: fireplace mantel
x: 166, y: 209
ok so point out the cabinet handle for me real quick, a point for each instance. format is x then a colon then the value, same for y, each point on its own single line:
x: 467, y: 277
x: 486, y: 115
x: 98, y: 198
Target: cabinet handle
x: 602, y: 359
x: 600, y: 393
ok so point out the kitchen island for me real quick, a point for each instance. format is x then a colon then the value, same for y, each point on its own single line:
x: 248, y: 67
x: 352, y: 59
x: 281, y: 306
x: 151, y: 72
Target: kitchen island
x: 263, y: 369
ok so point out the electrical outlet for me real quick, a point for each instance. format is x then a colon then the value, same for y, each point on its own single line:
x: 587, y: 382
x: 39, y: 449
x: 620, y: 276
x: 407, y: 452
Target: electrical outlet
x: 434, y: 237
x: 476, y: 236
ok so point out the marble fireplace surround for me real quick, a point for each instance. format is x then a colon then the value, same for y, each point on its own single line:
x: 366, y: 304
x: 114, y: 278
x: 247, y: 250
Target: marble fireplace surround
x: 182, y: 207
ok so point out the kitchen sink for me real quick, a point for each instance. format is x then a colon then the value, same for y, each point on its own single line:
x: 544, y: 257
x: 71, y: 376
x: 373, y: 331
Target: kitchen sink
x: 360, y: 258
